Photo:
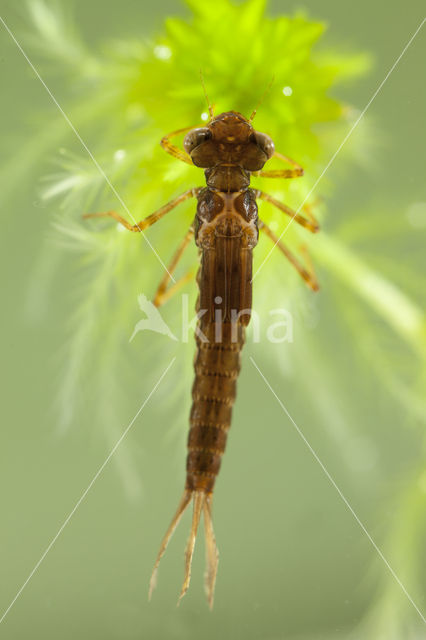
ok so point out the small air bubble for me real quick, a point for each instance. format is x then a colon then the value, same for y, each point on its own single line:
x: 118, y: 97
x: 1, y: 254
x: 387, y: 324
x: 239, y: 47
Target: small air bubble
x: 218, y: 300
x: 120, y: 227
x: 204, y: 116
x: 162, y: 52
x: 287, y: 91
x: 119, y: 155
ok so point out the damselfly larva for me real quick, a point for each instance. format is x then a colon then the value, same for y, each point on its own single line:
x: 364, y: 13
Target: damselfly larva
x: 226, y: 231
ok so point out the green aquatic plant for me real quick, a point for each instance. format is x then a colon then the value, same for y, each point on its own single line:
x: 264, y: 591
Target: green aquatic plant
x: 130, y: 94
x: 126, y: 96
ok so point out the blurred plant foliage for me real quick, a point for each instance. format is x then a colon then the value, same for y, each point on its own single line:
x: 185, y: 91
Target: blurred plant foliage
x: 123, y: 98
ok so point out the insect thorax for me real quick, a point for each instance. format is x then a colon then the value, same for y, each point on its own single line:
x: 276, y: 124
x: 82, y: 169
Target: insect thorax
x: 227, y: 178
x: 231, y: 215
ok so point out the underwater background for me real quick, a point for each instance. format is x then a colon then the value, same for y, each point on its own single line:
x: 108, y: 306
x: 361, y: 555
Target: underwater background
x: 294, y: 516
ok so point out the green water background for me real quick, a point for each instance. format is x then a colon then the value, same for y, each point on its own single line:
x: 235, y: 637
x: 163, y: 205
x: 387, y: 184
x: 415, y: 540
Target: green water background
x: 294, y: 563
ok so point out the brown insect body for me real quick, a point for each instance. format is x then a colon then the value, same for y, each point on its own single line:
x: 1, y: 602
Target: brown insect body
x: 226, y: 233
x: 226, y: 230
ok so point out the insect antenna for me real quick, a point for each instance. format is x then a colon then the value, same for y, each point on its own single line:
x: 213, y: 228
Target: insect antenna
x: 209, y: 105
x: 265, y: 93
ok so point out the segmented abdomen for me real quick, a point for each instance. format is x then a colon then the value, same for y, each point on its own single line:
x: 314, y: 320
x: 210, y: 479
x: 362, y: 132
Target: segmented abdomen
x: 217, y: 365
x: 226, y: 232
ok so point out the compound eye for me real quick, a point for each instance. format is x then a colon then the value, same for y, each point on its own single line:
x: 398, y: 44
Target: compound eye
x: 196, y: 137
x: 265, y: 143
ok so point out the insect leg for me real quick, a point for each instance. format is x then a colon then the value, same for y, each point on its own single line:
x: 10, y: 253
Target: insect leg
x: 163, y: 292
x: 175, y: 151
x: 151, y: 219
x: 308, y: 276
x: 311, y: 224
x: 281, y: 173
